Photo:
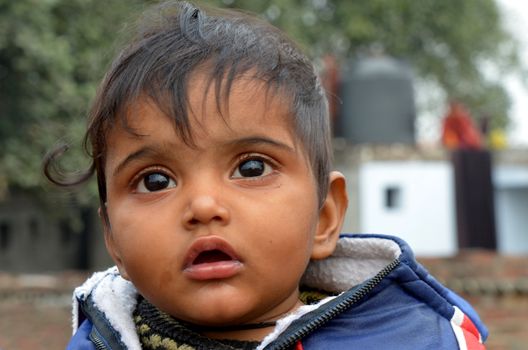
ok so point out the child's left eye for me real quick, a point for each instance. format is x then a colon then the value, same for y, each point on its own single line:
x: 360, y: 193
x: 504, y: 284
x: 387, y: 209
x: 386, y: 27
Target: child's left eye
x: 252, y: 167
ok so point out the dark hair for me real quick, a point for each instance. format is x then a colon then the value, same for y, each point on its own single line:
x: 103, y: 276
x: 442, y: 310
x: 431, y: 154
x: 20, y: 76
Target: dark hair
x: 177, y: 38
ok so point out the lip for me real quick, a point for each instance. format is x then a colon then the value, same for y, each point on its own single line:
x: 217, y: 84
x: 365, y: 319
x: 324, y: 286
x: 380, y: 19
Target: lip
x: 213, y: 270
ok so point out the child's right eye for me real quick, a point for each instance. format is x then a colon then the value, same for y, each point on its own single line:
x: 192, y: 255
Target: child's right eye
x: 153, y: 182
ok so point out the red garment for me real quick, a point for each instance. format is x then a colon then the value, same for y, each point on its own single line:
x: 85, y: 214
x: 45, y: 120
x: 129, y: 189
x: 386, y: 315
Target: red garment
x: 459, y: 131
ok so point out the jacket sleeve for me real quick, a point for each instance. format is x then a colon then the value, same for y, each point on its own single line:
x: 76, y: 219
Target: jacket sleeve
x: 81, y: 338
x: 466, y: 333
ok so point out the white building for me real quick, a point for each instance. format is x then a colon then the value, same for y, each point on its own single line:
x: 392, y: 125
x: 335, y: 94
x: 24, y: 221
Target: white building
x: 409, y: 193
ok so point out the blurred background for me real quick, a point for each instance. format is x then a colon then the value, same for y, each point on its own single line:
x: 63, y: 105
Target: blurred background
x: 428, y: 106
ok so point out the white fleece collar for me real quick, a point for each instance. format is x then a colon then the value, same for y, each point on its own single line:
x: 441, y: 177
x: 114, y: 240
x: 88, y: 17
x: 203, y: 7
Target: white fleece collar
x: 354, y: 261
x: 116, y: 298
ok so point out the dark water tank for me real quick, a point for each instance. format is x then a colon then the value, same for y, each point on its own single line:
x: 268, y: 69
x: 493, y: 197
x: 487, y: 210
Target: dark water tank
x: 377, y: 102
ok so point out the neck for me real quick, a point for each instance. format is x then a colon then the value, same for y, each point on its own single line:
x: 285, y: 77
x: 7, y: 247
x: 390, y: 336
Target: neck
x: 231, y: 328
x: 243, y: 332
x: 243, y: 335
x: 246, y: 331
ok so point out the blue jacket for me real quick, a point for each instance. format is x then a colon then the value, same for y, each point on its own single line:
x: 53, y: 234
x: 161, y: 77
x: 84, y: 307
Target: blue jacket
x: 388, y: 301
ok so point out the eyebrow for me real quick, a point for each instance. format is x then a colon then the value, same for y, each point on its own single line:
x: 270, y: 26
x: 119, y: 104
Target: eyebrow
x: 256, y: 140
x: 161, y: 151
x: 143, y: 152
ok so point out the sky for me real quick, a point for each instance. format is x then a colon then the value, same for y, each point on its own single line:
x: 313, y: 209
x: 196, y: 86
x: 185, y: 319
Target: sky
x: 516, y: 21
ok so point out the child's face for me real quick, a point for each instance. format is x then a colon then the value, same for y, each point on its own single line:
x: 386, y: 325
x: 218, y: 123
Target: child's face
x: 219, y: 233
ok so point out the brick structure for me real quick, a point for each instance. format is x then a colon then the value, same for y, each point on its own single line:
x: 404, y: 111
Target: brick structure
x: 496, y: 285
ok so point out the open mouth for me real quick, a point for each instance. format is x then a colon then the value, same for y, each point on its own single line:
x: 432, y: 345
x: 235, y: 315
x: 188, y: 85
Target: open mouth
x: 211, y: 256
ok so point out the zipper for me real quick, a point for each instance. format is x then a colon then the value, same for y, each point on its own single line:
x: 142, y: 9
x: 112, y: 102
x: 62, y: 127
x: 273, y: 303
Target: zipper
x: 339, y: 308
x: 97, y: 340
x: 101, y: 334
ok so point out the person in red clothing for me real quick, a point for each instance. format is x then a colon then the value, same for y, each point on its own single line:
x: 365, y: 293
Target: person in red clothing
x: 459, y: 131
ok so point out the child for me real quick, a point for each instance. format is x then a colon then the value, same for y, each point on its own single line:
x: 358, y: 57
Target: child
x: 211, y: 146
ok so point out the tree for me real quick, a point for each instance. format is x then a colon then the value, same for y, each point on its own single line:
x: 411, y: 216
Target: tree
x: 453, y: 44
x: 54, y: 52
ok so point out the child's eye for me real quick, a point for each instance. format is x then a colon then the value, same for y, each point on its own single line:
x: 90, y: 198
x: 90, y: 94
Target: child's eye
x: 252, y: 167
x: 155, y: 181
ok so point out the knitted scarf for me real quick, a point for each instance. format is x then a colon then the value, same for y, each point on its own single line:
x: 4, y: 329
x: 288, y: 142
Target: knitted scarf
x: 159, y: 331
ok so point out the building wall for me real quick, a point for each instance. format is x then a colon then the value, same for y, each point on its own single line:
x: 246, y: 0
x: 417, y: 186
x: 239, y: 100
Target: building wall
x: 511, y: 206
x: 31, y: 241
x: 413, y: 200
x: 401, y: 191
x: 419, y: 184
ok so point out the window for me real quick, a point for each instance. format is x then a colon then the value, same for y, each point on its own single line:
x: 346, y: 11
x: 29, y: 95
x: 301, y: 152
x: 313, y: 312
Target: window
x: 393, y: 197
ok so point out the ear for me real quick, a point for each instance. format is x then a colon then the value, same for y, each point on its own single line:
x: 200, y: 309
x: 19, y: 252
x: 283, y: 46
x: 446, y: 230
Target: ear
x: 111, y: 245
x: 331, y: 217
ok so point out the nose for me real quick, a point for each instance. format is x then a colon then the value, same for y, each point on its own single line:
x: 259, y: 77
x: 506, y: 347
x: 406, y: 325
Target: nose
x: 205, y: 209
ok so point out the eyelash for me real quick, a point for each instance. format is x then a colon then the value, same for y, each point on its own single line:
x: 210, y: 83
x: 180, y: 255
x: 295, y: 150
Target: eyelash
x: 252, y: 156
x: 143, y: 173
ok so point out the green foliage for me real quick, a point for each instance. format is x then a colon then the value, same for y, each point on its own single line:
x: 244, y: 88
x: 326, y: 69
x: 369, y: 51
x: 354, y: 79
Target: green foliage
x: 446, y: 41
x: 54, y: 52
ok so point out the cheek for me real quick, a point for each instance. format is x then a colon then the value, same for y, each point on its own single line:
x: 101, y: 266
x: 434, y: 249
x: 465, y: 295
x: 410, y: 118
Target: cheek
x: 137, y: 234
x: 124, y: 224
x: 145, y: 247
x: 290, y: 232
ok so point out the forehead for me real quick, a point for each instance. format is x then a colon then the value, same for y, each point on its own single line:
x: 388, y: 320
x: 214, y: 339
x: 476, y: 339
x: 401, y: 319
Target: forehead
x: 250, y: 121
x: 244, y: 106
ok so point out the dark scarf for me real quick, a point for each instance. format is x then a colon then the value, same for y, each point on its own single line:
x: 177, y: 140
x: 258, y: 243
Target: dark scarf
x: 158, y: 330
